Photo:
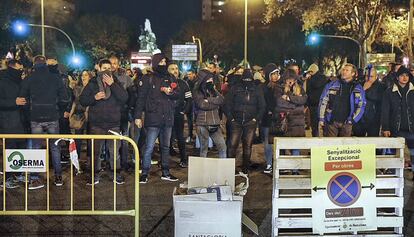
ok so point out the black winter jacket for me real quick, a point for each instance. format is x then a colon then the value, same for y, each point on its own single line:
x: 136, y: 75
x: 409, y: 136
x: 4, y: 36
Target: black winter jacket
x: 391, y: 109
x: 244, y: 103
x: 46, y: 94
x: 374, y: 96
x: 158, y: 106
x: 314, y: 89
x: 104, y: 113
x: 10, y: 113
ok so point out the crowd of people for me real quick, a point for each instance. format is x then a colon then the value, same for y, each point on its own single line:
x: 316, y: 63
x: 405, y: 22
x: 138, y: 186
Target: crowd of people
x: 226, y: 109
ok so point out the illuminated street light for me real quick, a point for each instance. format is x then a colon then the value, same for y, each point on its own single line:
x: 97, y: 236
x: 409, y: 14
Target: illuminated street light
x: 21, y: 28
x: 314, y: 39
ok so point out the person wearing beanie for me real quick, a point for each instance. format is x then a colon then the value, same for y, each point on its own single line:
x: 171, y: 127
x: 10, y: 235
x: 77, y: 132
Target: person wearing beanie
x: 342, y: 104
x: 314, y: 84
x: 272, y: 89
x: 156, y: 95
x: 244, y: 108
x: 397, y: 115
x: 47, y: 96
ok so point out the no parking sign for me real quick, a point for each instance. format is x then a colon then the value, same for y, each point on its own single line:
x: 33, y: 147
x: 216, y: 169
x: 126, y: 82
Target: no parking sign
x: 344, y: 193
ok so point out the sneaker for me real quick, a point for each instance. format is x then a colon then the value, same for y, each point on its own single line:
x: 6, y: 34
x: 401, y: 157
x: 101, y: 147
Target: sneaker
x: 154, y: 162
x: 183, y: 164
x: 58, y: 181
x: 268, y: 169
x: 96, y: 181
x: 35, y: 184
x: 169, y: 177
x: 173, y: 152
x: 188, y: 140
x: 119, y: 179
x: 21, y: 178
x: 143, y: 179
x: 9, y: 184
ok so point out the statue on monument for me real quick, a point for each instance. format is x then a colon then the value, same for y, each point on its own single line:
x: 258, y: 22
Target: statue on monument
x: 147, y: 39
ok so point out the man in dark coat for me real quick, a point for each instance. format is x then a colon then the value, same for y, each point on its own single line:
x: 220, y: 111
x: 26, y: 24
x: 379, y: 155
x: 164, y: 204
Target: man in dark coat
x: 315, y: 83
x: 183, y: 106
x: 11, y: 121
x: 156, y: 95
x: 370, y: 123
x: 105, y: 97
x: 397, y: 118
x: 47, y: 95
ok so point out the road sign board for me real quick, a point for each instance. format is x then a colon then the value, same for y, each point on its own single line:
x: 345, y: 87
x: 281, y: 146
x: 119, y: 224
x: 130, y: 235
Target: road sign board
x: 184, y: 52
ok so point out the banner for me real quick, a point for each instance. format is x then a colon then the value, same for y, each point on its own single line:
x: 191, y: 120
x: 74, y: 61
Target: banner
x: 26, y: 160
x: 343, y: 193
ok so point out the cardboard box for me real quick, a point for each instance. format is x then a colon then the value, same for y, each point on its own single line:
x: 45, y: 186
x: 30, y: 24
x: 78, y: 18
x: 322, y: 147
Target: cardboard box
x: 196, y: 217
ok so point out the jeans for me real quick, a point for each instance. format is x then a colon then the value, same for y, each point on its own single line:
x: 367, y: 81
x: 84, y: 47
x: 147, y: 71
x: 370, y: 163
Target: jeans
x: 190, y: 121
x: 267, y: 146
x: 124, y: 144
x: 246, y: 132
x: 98, y: 143
x: 217, y: 137
x: 79, y: 141
x: 48, y: 128
x: 164, y: 134
x: 178, y: 133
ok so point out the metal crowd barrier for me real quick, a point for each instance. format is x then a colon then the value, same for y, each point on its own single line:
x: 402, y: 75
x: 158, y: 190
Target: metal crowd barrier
x: 48, y: 211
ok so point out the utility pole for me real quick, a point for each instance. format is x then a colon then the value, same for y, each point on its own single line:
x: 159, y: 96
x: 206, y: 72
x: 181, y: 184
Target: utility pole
x: 410, y: 31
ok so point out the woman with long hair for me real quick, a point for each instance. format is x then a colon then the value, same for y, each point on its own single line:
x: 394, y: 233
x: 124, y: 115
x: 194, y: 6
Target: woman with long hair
x: 80, y: 113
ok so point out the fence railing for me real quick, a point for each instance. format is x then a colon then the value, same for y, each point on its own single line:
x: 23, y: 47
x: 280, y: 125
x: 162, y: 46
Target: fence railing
x: 72, y: 211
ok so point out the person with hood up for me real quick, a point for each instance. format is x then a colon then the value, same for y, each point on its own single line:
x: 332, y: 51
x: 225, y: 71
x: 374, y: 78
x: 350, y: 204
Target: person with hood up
x: 244, y: 107
x: 315, y: 83
x: 156, y: 95
x: 105, y: 97
x: 397, y: 118
x: 272, y: 88
x: 207, y: 101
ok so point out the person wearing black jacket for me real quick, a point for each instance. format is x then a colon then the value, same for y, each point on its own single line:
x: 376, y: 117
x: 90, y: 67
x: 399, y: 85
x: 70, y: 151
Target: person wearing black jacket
x: 397, y: 118
x: 244, y: 106
x: 370, y: 123
x: 105, y: 97
x: 315, y: 83
x: 156, y: 95
x: 183, y: 106
x: 190, y: 79
x: 11, y: 121
x: 46, y: 94
x: 270, y: 88
x: 207, y: 101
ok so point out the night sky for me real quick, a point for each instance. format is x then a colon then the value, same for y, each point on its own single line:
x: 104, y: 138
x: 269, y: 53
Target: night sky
x: 166, y: 16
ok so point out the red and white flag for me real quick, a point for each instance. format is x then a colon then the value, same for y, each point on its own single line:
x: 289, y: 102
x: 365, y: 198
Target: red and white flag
x: 72, y: 152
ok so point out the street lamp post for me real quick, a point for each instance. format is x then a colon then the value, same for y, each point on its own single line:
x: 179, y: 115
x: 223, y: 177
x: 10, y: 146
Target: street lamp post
x: 245, y: 34
x: 314, y: 38
x: 61, y: 31
x: 195, y: 39
x: 42, y: 13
